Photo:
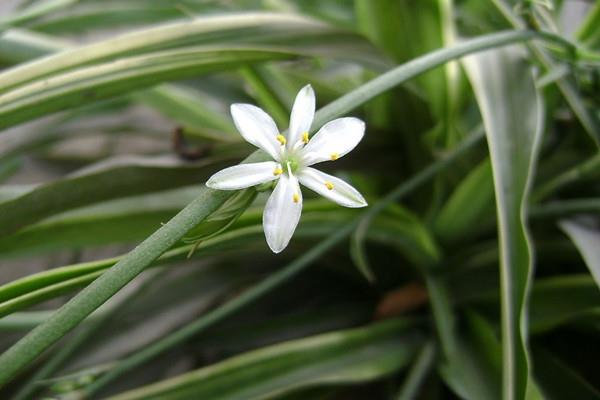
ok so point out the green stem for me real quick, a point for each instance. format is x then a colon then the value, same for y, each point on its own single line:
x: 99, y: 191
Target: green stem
x: 419, y: 65
x: 103, y: 288
x: 282, y: 275
x: 70, y: 347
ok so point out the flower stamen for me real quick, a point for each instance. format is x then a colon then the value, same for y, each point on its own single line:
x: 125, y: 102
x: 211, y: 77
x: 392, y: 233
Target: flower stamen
x: 281, y: 139
x: 296, y: 198
x: 278, y: 171
x: 334, y: 156
x: 305, y: 137
x: 329, y: 185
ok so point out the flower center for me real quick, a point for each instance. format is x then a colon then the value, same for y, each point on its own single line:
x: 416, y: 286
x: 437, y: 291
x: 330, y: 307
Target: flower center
x: 289, y: 158
x: 293, y: 163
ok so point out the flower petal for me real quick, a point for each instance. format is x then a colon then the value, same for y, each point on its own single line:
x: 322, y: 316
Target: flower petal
x: 302, y: 115
x: 244, y: 175
x: 257, y: 128
x: 282, y: 213
x: 331, y: 187
x: 334, y: 140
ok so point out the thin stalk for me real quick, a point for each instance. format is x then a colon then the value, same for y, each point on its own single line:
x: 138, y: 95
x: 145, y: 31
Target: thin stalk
x: 418, y: 373
x: 419, y: 65
x: 558, y: 209
x: 72, y: 345
x: 283, y: 275
x: 587, y: 169
x: 23, y: 321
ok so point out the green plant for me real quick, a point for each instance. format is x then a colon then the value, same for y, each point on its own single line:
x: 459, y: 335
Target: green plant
x: 481, y: 260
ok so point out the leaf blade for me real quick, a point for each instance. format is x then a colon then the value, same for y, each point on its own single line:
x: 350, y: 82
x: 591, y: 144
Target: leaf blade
x: 513, y: 121
x: 95, y: 184
x: 340, y: 357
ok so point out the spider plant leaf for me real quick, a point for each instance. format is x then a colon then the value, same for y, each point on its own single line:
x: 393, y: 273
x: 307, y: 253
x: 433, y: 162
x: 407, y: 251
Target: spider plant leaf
x: 512, y: 113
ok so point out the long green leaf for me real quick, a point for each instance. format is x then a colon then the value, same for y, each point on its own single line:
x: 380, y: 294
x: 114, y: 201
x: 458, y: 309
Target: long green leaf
x: 91, y: 84
x: 512, y: 114
x: 116, y: 221
x: 398, y: 228
x: 189, y: 110
x: 185, y: 107
x: 33, y: 289
x: 35, y: 11
x: 471, y: 201
x: 340, y: 357
x: 468, y: 372
x: 18, y: 45
x: 166, y: 52
x: 559, y: 300
x: 48, y: 292
x: 559, y: 380
x: 212, y: 29
x: 95, y: 184
x: 73, y: 312
x: 587, y: 170
x: 111, y: 14
x: 79, y: 233
x: 554, y: 301
x: 568, y: 208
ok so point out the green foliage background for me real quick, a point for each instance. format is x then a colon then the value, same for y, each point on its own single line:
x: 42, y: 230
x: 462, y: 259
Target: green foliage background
x: 472, y: 274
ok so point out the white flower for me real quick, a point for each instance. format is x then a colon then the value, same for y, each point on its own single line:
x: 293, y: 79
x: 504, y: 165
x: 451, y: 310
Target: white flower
x: 292, y: 159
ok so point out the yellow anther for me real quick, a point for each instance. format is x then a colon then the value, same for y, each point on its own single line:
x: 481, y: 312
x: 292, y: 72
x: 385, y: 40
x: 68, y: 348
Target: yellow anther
x: 296, y: 198
x: 334, y: 156
x: 281, y: 139
x: 278, y: 171
x: 329, y: 185
x: 305, y: 137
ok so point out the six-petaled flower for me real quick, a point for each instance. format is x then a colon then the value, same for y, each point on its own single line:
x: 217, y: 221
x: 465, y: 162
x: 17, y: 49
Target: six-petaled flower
x: 292, y: 157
